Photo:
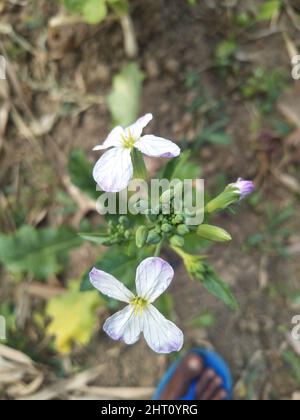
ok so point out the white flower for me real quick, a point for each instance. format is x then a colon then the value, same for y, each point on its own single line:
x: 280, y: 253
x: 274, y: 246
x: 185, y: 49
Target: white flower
x: 114, y: 169
x: 153, y: 277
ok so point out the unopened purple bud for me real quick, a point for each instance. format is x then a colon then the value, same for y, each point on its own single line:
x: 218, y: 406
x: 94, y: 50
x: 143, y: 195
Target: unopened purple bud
x: 245, y: 187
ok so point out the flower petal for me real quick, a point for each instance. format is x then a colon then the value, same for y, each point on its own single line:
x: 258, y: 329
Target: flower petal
x: 110, y: 286
x: 153, y: 277
x: 136, y: 129
x: 124, y: 325
x: 162, y: 335
x: 113, y: 140
x: 245, y: 187
x: 157, y: 147
x: 114, y: 170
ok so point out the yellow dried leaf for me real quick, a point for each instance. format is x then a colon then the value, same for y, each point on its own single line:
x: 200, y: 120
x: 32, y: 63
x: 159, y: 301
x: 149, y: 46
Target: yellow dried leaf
x: 73, y: 317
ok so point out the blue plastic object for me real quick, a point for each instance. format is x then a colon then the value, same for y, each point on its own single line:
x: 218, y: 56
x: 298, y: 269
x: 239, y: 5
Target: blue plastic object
x: 211, y: 360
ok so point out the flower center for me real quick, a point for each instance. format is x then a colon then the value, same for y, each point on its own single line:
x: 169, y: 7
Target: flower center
x: 128, y: 141
x: 139, y: 304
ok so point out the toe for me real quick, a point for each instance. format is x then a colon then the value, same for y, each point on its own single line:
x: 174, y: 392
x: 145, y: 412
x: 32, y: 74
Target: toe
x: 188, y: 370
x: 213, y: 385
x: 220, y: 395
x: 204, y: 380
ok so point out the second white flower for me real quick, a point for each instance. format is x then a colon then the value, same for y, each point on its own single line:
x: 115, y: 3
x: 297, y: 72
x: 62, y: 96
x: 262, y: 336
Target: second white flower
x: 153, y: 277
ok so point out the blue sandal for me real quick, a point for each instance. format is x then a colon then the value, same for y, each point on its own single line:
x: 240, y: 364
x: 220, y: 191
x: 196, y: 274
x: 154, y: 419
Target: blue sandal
x: 212, y: 361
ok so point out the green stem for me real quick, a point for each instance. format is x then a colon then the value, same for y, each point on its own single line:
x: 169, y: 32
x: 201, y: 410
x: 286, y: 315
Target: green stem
x: 139, y: 167
x: 159, y: 248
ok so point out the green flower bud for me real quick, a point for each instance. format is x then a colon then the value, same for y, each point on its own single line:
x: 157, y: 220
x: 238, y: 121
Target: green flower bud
x: 127, y: 234
x: 229, y: 196
x: 123, y: 220
x: 152, y: 217
x: 142, y: 206
x: 179, y: 188
x: 166, y: 196
x: 141, y: 236
x: 121, y: 228
x: 153, y: 237
x: 213, y: 233
x: 157, y: 229
x: 189, y: 212
x: 182, y: 230
x: 166, y: 228
x: 178, y: 219
x: 177, y: 241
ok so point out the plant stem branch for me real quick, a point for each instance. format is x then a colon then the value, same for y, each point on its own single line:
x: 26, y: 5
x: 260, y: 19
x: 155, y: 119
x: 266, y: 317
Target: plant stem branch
x: 159, y: 248
x: 130, y: 42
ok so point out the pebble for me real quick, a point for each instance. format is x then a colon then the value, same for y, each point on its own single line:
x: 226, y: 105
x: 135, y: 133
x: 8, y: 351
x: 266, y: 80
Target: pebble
x: 172, y: 65
x: 152, y: 68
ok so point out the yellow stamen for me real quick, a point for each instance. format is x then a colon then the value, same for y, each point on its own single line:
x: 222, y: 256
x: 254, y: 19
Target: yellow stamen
x: 139, y: 304
x: 128, y: 141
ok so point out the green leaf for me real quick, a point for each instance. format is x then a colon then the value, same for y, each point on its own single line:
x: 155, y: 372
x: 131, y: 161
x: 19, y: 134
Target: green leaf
x: 80, y: 171
x: 294, y: 363
x: 218, y: 288
x: 165, y: 305
x: 202, y: 271
x: 181, y: 168
x: 74, y: 6
x: 96, y: 238
x: 204, y: 320
x: 73, y: 317
x: 295, y: 299
x: 124, y: 99
x: 269, y: 9
x: 116, y: 263
x: 37, y: 251
x: 225, y: 51
x: 215, y: 133
x: 221, y: 138
x: 94, y: 11
x: 119, y: 6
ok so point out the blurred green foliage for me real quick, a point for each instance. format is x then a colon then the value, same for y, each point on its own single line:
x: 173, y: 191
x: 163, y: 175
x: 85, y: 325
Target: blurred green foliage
x: 95, y: 11
x: 80, y: 171
x: 212, y: 114
x: 181, y: 168
x: 225, y: 51
x: 40, y: 252
x: 124, y: 98
x: 272, y: 239
x: 264, y: 87
x: 268, y: 9
x: 205, y: 320
x: 293, y: 362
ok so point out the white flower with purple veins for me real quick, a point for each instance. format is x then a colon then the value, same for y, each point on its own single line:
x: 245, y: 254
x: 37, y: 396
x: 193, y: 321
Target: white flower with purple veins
x: 114, y: 169
x: 244, y: 187
x: 153, y: 277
